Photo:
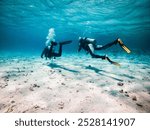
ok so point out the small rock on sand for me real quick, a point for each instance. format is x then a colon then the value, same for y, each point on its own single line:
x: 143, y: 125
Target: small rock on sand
x: 129, y: 81
x: 127, y: 95
x: 36, y: 86
x: 77, y: 91
x: 62, y: 83
x: 12, y: 101
x: 134, y: 98
x: 36, y: 106
x: 2, y: 106
x: 3, y: 85
x: 91, y: 81
x: 59, y: 71
x: 49, y: 88
x: 61, y: 105
x: 25, y: 81
x: 31, y: 89
x: 138, y: 104
x: 120, y: 84
x: 121, y: 91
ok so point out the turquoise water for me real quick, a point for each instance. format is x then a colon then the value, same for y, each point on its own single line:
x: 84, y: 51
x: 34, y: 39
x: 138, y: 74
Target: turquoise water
x: 74, y: 82
x: 24, y: 24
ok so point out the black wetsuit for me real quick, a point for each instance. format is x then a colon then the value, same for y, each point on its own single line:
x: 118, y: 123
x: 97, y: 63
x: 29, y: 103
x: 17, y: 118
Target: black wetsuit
x: 85, y: 44
x: 49, y: 53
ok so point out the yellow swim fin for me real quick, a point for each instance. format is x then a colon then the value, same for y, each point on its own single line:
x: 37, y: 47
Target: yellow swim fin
x: 126, y: 48
x: 123, y: 46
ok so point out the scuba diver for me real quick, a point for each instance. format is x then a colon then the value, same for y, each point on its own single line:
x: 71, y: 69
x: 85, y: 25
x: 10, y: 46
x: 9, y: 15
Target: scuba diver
x: 48, y: 51
x: 89, y: 45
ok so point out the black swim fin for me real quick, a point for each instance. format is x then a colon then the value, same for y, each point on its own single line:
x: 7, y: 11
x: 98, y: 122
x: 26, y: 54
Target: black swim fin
x: 123, y: 46
x: 112, y: 62
x: 65, y: 42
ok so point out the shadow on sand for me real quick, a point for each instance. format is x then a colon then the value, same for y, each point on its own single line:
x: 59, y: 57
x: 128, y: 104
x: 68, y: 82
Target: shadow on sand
x: 54, y: 65
x: 102, y: 72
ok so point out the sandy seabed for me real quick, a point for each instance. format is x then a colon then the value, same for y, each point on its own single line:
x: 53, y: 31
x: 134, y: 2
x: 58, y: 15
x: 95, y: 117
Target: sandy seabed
x: 74, y: 84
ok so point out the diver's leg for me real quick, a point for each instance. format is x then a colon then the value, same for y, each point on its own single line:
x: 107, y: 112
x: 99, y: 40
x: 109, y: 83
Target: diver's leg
x: 60, y: 48
x: 102, y: 57
x: 54, y: 54
x: 44, y: 52
x: 106, y: 46
x: 118, y: 40
x: 65, y: 42
x: 91, y: 51
x: 98, y: 56
x: 50, y: 51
